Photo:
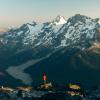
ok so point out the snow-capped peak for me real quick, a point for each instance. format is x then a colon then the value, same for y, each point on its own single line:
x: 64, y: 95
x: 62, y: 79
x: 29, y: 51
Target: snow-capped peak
x: 76, y: 30
x: 99, y: 21
x: 33, y: 23
x: 59, y: 20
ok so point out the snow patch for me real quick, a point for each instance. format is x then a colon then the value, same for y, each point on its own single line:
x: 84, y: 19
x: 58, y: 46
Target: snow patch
x: 59, y: 20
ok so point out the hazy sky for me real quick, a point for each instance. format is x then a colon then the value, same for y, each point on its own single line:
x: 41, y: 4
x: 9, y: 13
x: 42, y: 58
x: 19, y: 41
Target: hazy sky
x: 16, y: 12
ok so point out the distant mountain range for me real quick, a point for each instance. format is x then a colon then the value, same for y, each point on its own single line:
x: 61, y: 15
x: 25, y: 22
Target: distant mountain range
x: 2, y: 30
x: 66, y: 50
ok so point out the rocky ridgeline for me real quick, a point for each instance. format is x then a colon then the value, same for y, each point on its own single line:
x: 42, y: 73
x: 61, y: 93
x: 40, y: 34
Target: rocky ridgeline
x: 71, y: 92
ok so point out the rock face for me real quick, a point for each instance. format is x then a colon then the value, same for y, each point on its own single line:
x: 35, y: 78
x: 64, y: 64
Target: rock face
x: 61, y: 47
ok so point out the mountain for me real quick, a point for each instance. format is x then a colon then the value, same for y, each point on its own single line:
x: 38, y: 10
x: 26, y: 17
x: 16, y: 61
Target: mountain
x: 59, y: 20
x: 2, y: 30
x: 64, y: 49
